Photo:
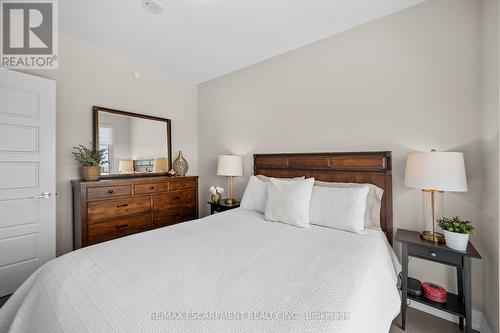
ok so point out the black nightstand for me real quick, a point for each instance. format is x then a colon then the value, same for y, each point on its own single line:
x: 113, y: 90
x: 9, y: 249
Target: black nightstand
x: 459, y: 305
x: 222, y: 206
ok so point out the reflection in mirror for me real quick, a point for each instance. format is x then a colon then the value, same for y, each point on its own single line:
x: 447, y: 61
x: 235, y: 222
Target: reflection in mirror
x: 133, y: 143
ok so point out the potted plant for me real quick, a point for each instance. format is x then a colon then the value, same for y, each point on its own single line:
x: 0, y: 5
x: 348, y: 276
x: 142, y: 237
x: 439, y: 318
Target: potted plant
x: 456, y: 232
x: 91, y: 160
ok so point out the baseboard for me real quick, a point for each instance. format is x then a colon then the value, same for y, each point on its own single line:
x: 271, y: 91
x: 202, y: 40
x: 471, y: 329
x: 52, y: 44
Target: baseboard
x: 479, y: 323
x: 485, y: 326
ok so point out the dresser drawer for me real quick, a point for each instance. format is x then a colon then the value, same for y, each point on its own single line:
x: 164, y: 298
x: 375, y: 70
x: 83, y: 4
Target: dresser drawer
x: 110, y: 209
x: 108, y: 192
x: 150, y: 188
x: 182, y: 185
x: 174, y: 199
x: 100, y: 232
x: 172, y: 216
x: 445, y: 257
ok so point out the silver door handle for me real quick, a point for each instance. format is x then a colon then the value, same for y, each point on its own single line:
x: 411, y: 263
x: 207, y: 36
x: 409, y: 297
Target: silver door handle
x: 44, y: 195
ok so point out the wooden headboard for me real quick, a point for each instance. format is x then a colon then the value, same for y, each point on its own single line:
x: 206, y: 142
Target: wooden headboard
x: 361, y: 167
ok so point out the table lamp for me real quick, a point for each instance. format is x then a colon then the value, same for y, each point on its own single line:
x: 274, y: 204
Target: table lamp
x: 160, y: 164
x: 434, y: 173
x: 126, y: 166
x: 230, y: 166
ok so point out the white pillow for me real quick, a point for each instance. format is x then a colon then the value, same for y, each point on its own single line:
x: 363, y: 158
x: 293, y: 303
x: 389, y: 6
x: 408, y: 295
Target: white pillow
x: 339, y: 207
x: 289, y: 201
x: 255, y: 195
x: 373, y: 202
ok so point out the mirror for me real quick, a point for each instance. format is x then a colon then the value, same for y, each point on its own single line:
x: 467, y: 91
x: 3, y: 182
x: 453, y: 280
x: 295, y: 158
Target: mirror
x: 134, y: 144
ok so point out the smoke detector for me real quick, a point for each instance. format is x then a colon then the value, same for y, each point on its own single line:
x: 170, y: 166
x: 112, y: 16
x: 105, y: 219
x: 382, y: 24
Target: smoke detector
x: 152, y: 6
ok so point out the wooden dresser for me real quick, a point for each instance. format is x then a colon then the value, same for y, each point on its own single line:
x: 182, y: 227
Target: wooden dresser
x: 112, y: 208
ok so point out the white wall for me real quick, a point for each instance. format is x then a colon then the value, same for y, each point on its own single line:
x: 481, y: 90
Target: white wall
x: 88, y: 76
x: 407, y: 82
x: 148, y: 139
x: 489, y: 102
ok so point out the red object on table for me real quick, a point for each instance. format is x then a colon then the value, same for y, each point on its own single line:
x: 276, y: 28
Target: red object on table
x: 434, y: 292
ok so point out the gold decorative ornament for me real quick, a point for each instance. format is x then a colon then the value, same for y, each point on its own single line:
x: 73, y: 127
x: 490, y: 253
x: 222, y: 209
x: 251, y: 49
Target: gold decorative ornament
x: 181, y: 166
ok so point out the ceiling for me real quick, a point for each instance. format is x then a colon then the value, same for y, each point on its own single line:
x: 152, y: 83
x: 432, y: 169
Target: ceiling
x: 197, y: 40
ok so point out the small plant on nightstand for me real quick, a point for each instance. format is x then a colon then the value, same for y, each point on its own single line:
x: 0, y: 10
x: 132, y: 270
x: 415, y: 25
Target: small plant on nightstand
x: 456, y: 232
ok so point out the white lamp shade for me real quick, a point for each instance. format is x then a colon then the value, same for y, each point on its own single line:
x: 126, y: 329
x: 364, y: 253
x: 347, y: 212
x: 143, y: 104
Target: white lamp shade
x: 440, y: 171
x: 230, y: 165
x: 126, y: 166
x: 160, y: 165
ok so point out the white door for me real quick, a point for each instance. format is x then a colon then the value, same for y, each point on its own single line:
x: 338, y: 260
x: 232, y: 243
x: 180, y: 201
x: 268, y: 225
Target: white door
x: 27, y: 176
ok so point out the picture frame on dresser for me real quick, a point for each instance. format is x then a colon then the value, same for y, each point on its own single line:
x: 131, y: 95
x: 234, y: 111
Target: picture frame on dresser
x: 111, y: 208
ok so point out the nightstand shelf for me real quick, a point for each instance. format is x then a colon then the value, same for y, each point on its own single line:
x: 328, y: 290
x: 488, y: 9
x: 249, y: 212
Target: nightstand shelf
x: 453, y: 305
x: 459, y: 305
x: 222, y: 206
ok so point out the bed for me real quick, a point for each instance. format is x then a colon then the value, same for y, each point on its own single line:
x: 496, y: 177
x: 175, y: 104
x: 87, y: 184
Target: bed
x: 229, y: 272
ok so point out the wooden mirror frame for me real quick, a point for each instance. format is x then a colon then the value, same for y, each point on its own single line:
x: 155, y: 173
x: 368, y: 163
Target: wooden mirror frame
x: 168, y: 144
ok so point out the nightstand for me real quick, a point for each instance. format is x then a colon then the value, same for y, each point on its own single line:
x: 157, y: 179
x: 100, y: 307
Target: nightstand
x: 459, y: 305
x: 222, y: 206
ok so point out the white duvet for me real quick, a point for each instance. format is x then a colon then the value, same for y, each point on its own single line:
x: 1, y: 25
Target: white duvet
x: 229, y: 272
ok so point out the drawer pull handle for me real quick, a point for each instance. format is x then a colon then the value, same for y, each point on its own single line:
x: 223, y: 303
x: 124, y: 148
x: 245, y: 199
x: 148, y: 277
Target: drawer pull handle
x: 121, y: 226
x: 433, y: 254
x: 122, y: 206
x: 151, y: 187
x: 110, y: 191
x: 177, y: 198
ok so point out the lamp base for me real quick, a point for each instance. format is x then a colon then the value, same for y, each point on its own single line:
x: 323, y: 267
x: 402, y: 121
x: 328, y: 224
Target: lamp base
x: 432, y: 237
x: 230, y: 201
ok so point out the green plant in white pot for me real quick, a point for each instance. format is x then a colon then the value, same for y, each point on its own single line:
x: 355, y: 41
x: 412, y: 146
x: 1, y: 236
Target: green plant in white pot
x: 456, y: 232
